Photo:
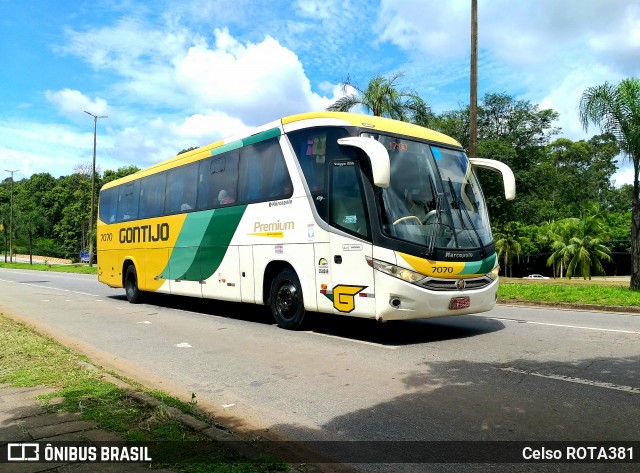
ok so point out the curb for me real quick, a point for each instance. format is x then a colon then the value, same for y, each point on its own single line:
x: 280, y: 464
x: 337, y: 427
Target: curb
x: 569, y: 305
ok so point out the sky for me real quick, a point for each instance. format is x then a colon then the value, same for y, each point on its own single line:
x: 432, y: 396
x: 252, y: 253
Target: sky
x: 172, y: 74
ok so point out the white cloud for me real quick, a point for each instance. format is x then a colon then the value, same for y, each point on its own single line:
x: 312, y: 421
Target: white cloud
x: 44, y: 147
x: 169, y: 90
x: 256, y: 82
x: 73, y: 103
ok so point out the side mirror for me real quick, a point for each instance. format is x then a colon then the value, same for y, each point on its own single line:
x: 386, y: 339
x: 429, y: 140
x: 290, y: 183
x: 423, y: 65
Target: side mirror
x: 508, y: 179
x: 377, y: 154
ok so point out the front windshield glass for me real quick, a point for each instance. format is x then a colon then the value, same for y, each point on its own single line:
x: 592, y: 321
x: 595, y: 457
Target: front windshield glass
x: 434, y: 198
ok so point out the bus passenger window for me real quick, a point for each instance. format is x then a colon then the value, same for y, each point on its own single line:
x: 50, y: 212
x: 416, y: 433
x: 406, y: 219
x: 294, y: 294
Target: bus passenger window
x: 215, y: 174
x: 152, y: 192
x: 181, y: 189
x: 108, y: 205
x: 128, y: 198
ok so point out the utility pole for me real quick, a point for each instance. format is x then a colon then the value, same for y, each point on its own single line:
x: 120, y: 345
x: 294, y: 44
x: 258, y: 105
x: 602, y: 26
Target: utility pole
x: 11, y: 219
x: 93, y: 185
x: 473, y: 102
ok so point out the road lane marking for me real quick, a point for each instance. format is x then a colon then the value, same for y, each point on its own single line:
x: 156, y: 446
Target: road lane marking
x: 571, y: 379
x: 363, y: 342
x: 49, y: 287
x: 183, y: 345
x: 520, y: 321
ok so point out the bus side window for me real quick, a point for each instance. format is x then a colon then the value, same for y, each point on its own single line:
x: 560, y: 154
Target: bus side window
x: 217, y: 173
x: 263, y: 174
x: 128, y: 197
x: 181, y: 189
x: 152, y: 194
x: 108, y: 205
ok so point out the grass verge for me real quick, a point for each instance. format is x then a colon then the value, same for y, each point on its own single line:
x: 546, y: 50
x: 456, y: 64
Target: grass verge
x: 613, y: 294
x: 28, y: 358
x: 60, y: 268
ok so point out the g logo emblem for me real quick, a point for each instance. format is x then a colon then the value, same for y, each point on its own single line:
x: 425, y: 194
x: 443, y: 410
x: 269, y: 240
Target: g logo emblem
x: 344, y: 297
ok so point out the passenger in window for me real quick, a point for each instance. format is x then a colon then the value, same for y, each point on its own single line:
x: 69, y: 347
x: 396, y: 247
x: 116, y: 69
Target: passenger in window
x: 224, y: 198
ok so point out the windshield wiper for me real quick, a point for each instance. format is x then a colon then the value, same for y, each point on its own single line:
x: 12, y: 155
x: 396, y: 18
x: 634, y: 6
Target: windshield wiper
x: 461, y: 206
x: 432, y: 242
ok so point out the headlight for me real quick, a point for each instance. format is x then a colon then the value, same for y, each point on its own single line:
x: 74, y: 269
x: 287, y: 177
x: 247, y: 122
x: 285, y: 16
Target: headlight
x: 395, y: 271
x: 494, y: 272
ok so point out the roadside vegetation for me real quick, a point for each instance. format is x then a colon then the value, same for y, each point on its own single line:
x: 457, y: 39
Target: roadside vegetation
x: 28, y: 358
x: 599, y: 293
x: 60, y: 268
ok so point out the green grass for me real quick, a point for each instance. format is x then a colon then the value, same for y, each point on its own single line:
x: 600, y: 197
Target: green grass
x: 28, y: 358
x: 60, y: 268
x: 573, y: 292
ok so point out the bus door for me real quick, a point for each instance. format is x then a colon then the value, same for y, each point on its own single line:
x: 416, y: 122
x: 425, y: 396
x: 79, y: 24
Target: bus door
x: 352, y: 284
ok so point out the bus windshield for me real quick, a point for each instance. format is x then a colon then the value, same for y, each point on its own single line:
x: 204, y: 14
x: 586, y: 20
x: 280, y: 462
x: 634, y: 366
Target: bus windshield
x: 434, y: 198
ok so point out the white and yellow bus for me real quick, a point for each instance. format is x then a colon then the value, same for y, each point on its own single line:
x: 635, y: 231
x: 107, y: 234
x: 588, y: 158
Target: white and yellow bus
x: 327, y: 212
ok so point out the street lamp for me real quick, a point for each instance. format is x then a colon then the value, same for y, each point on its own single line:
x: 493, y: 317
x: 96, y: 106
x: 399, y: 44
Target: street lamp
x: 11, y: 219
x: 93, y: 184
x: 473, y: 99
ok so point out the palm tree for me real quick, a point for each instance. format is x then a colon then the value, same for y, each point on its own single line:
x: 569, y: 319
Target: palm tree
x: 549, y: 236
x: 616, y: 109
x: 509, y: 245
x: 579, y: 244
x: 382, y: 98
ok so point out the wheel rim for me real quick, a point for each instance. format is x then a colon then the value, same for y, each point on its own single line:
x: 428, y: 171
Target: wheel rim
x: 287, y: 300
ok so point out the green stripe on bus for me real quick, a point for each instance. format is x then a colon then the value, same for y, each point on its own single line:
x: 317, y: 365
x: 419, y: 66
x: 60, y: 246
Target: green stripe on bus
x: 479, y: 267
x: 263, y: 135
x: 203, y: 242
x: 226, y: 147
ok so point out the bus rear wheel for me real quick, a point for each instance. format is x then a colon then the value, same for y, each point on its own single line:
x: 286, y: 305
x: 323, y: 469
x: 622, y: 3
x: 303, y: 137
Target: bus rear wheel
x: 287, y: 304
x: 133, y: 293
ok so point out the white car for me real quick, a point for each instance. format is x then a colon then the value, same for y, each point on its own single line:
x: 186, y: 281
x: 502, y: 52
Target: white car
x: 536, y: 276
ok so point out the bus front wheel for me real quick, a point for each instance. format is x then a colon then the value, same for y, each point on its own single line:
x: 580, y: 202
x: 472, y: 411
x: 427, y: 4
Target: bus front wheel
x: 131, y: 285
x: 287, y: 305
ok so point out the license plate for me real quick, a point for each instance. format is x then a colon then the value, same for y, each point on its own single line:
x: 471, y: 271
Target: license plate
x: 459, y: 303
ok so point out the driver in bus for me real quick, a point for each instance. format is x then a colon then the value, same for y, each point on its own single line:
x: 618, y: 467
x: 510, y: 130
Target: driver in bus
x: 420, y: 203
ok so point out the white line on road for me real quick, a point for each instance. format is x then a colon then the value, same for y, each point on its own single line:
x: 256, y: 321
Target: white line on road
x: 571, y: 379
x: 566, y: 326
x: 49, y: 287
x: 350, y: 340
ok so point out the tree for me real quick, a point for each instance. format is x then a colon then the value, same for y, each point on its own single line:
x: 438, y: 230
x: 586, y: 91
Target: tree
x: 577, y: 172
x: 32, y: 223
x: 509, y: 243
x: 110, y: 175
x: 4, y: 226
x: 382, y: 98
x: 616, y: 109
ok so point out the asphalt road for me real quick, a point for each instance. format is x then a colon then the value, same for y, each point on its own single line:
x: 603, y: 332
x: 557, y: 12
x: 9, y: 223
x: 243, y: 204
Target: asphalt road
x: 515, y: 373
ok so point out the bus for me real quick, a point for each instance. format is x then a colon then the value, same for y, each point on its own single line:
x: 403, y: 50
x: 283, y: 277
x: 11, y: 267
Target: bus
x: 328, y: 212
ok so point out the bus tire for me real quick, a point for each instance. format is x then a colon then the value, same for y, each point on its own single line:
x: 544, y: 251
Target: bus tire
x: 131, y: 289
x: 287, y: 304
